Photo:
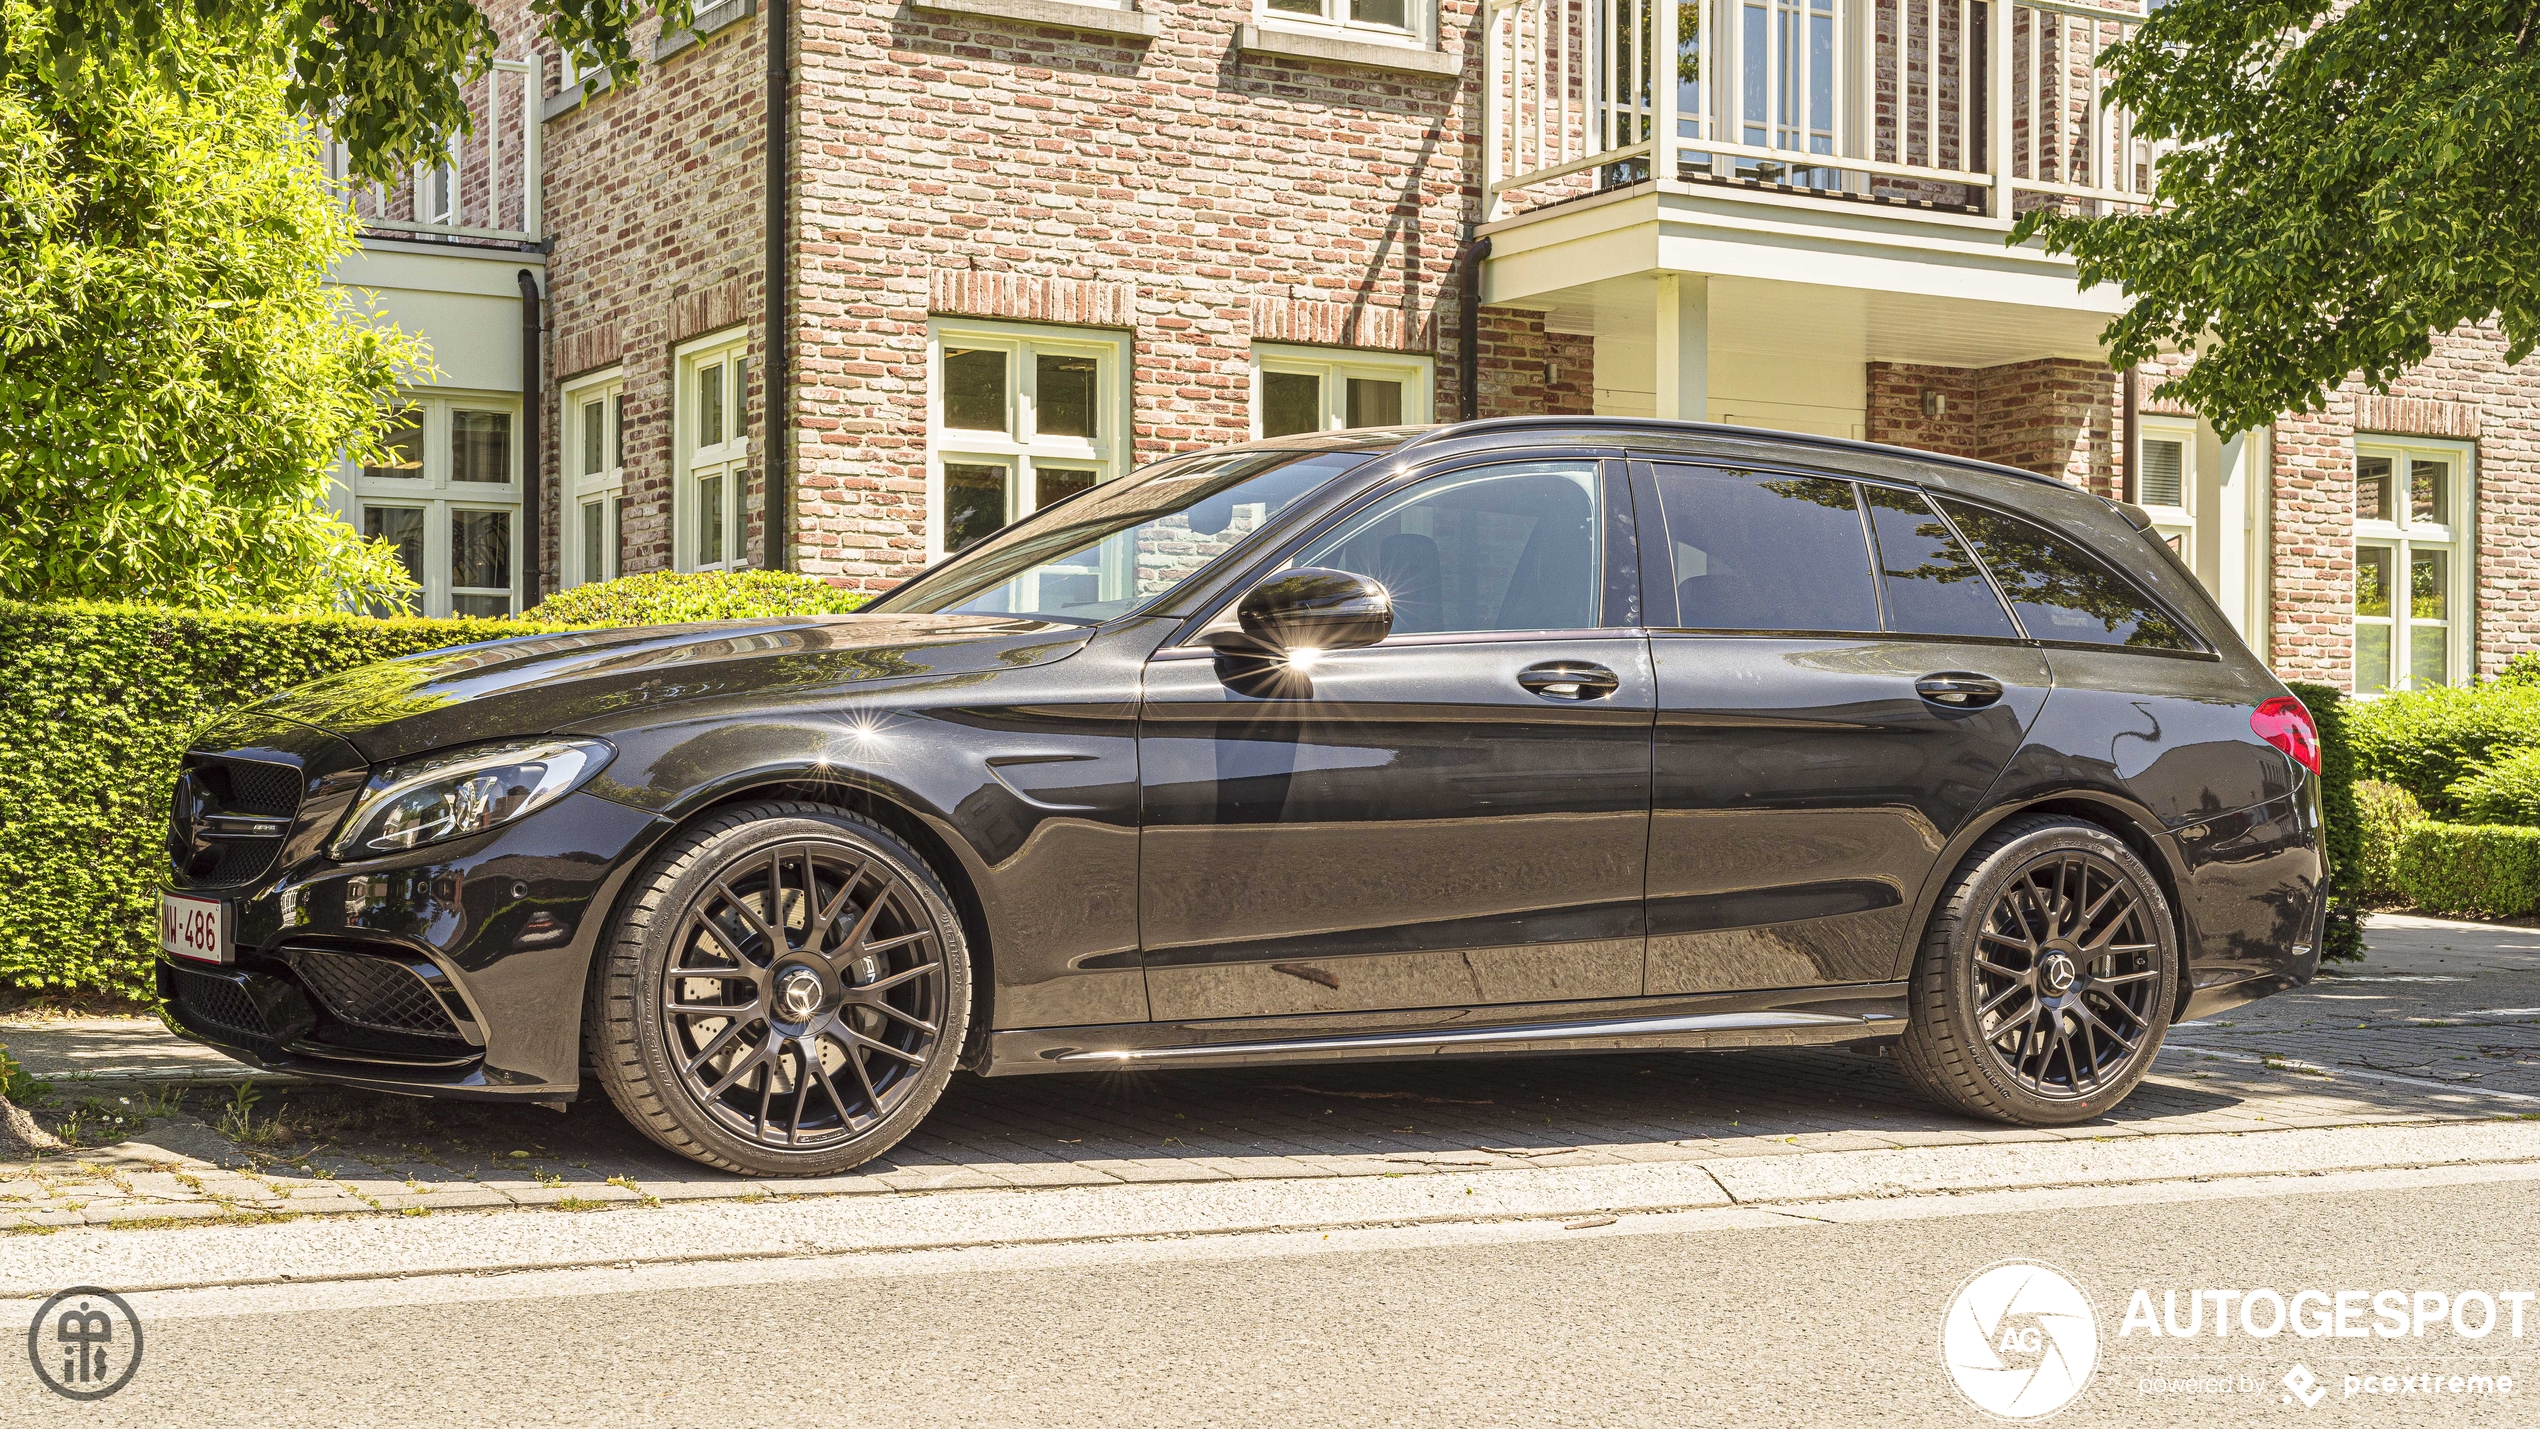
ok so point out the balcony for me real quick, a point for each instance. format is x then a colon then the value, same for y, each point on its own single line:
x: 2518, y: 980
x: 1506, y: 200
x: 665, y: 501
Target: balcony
x: 1828, y: 181
x: 488, y: 193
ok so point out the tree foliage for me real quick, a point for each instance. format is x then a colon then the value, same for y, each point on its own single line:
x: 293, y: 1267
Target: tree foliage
x: 2353, y: 176
x: 176, y: 376
x: 389, y: 77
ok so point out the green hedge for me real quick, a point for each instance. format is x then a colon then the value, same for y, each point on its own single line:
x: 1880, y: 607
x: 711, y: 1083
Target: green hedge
x: 2426, y: 741
x: 2472, y: 870
x: 2342, y: 938
x: 676, y: 597
x: 2388, y: 811
x: 96, y: 703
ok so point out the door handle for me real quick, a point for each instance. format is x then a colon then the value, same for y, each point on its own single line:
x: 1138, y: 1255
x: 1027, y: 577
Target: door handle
x: 1959, y: 691
x: 1569, y: 680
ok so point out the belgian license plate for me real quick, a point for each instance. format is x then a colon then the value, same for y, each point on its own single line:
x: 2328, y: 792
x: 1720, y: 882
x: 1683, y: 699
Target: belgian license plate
x: 196, y: 928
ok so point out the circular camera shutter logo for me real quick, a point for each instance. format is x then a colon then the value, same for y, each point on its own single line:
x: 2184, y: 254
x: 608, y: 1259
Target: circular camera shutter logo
x: 2020, y: 1340
x: 85, y: 1343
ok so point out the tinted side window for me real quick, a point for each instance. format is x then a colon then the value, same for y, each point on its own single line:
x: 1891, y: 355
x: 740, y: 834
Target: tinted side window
x: 1933, y: 586
x: 1497, y: 548
x: 2060, y: 592
x: 1754, y: 551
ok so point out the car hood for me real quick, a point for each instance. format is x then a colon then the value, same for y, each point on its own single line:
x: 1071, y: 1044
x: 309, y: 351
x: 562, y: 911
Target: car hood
x: 543, y: 684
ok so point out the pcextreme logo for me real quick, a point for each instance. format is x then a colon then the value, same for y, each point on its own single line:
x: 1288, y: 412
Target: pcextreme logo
x: 2019, y: 1340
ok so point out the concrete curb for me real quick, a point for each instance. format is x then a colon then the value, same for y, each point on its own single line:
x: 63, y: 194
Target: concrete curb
x: 371, y: 1247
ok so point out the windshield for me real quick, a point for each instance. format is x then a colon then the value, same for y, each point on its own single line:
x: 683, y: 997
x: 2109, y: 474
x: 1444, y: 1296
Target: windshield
x: 1126, y: 542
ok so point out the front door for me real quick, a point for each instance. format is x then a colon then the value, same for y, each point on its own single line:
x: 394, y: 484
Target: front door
x: 1456, y: 816
x: 1838, y: 686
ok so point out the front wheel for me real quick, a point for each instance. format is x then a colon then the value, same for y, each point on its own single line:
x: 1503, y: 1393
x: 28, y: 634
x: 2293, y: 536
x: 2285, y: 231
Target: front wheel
x: 2046, y: 978
x: 785, y: 995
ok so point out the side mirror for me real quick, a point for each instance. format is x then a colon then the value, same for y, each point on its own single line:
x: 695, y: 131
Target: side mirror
x: 1313, y: 608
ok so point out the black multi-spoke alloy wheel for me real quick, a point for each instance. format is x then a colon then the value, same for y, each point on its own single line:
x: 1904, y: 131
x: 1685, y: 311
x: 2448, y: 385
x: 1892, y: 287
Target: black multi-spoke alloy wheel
x: 2047, y: 976
x: 786, y: 993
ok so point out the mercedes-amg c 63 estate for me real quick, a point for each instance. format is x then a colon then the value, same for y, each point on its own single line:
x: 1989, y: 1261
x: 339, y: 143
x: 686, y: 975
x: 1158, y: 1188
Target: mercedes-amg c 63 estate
x: 1546, y: 735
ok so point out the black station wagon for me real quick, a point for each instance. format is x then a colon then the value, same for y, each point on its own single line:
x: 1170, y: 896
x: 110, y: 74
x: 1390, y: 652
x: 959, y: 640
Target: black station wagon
x: 1546, y: 735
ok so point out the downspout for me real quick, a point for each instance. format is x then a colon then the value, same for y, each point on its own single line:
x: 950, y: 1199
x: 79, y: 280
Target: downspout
x: 534, y: 457
x: 1468, y: 336
x: 778, y: 378
x: 2129, y: 480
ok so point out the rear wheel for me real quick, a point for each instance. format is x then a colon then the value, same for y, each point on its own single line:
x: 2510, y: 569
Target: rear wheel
x: 786, y: 994
x: 2046, y: 978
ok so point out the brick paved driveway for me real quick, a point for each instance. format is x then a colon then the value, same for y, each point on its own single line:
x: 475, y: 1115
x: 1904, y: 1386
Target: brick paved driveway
x: 2442, y: 1022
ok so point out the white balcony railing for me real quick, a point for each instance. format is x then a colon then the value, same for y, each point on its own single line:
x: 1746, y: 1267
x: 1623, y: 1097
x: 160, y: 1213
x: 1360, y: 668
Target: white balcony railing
x: 1974, y: 106
x: 490, y: 188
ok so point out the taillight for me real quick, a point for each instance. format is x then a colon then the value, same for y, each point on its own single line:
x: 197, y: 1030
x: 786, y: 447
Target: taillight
x: 2283, y: 723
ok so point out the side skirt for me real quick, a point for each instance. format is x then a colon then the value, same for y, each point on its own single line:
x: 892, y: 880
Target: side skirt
x: 1790, y: 1017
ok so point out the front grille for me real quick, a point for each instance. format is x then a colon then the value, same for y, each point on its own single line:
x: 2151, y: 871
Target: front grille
x: 250, y: 786
x: 218, y: 1005
x: 375, y: 993
x: 212, y: 788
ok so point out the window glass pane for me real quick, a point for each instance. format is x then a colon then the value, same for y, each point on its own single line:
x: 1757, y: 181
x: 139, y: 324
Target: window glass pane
x: 1064, y: 406
x: 1756, y: 552
x: 481, y: 446
x: 1291, y: 402
x: 1374, y: 403
x: 2059, y: 592
x: 1057, y: 483
x: 710, y: 405
x: 710, y: 520
x: 974, y: 389
x: 1501, y: 548
x: 404, y: 441
x: 2372, y: 658
x: 2426, y: 657
x: 2372, y: 580
x: 2429, y: 490
x: 594, y: 551
x: 2163, y: 478
x: 1933, y: 586
x: 1298, y: 7
x: 484, y: 607
x: 1381, y: 12
x: 481, y: 548
x: 2425, y: 583
x: 595, y: 424
x: 1145, y: 533
x: 401, y: 526
x: 2372, y: 488
x: 617, y: 433
x: 975, y: 502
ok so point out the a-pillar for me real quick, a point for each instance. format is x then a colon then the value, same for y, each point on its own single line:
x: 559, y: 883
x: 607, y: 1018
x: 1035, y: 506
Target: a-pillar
x: 1684, y: 347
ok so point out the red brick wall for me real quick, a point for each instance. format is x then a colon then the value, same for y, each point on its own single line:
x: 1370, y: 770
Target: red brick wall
x: 2057, y: 417
x: 1526, y: 371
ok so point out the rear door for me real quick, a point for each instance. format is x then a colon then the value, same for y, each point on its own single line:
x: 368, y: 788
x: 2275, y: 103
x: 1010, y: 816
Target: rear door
x: 1456, y: 816
x: 1838, y: 685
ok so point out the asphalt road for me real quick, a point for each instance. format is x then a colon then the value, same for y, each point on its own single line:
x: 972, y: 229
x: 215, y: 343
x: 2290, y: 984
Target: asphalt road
x: 1735, y: 1316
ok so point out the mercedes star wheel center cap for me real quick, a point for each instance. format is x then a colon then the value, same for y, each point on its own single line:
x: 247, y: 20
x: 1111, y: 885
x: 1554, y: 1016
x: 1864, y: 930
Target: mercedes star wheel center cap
x: 2058, y: 974
x: 798, y: 994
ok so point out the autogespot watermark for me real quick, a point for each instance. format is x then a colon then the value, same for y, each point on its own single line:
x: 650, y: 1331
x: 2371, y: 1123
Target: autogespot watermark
x: 85, y: 1343
x: 2020, y: 1340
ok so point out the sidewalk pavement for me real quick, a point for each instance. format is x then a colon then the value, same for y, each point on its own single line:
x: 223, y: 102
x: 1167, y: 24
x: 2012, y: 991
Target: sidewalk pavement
x: 2435, y: 1034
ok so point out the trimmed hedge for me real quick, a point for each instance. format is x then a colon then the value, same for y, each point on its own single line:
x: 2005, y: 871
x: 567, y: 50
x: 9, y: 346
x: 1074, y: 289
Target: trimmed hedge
x: 2342, y: 937
x: 2425, y: 741
x: 2388, y: 811
x: 2471, y: 870
x: 676, y: 597
x: 96, y: 703
x: 2506, y: 791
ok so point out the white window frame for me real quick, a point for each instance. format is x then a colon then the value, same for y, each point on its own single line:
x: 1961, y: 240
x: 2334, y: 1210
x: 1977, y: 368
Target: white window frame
x: 1335, y: 366
x: 438, y: 495
x: 436, y: 192
x: 693, y: 464
x: 2172, y: 523
x: 1334, y: 20
x: 2451, y: 531
x: 1021, y: 447
x: 590, y: 486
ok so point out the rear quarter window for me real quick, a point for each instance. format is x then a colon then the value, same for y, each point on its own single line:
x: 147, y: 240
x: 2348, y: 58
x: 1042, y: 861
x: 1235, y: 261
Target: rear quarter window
x: 2059, y: 591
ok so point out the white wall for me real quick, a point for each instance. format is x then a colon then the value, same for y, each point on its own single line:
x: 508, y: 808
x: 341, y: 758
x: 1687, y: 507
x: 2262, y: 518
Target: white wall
x: 1788, y: 392
x: 466, y: 307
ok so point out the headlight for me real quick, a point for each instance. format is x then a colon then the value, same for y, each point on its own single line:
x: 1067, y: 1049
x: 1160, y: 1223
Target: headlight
x: 453, y: 793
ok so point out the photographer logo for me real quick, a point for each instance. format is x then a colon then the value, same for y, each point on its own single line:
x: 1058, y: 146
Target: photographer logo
x: 2019, y: 1340
x: 85, y: 1343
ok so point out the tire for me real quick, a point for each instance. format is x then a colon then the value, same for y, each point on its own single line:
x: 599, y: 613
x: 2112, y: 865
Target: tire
x: 1989, y: 1032
x: 877, y: 994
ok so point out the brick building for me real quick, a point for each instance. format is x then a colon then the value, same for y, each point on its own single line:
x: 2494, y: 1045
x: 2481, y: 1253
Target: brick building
x: 1023, y: 245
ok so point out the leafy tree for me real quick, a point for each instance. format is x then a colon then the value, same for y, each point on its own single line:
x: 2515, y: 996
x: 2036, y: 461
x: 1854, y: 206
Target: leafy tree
x: 389, y: 76
x: 2353, y: 176
x: 176, y: 377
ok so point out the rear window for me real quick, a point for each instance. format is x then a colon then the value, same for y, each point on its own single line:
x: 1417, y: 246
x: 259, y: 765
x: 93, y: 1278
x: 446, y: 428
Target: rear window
x: 1762, y: 552
x: 1933, y: 586
x: 2061, y: 592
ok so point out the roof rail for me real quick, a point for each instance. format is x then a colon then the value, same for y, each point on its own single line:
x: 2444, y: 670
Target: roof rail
x: 1478, y: 426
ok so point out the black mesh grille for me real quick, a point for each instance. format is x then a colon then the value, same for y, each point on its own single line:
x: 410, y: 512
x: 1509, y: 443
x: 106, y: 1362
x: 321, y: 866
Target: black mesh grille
x: 218, y: 1005
x: 213, y: 786
x: 250, y: 786
x: 230, y: 862
x: 374, y: 993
